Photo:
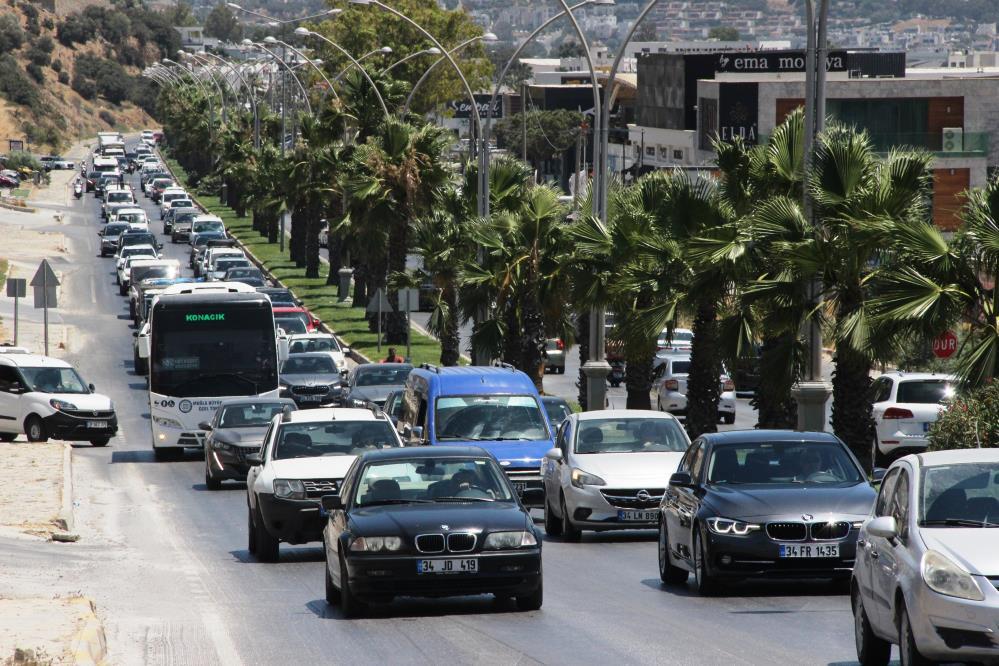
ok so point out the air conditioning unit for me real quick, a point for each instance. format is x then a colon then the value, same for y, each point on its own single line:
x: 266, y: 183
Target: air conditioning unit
x: 953, y: 140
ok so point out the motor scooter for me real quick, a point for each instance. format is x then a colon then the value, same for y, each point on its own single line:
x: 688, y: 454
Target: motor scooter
x: 78, y: 189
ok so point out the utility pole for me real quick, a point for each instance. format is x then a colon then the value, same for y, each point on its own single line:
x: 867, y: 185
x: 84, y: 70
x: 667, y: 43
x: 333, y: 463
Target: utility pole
x: 523, y: 120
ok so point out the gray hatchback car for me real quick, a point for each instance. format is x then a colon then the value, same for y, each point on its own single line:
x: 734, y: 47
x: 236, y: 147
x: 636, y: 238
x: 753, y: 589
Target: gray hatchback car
x: 927, y: 566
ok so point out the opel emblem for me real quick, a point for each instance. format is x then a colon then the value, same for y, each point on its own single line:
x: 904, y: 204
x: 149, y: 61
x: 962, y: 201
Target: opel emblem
x: 643, y: 495
x: 807, y: 516
x: 96, y: 412
x: 445, y: 527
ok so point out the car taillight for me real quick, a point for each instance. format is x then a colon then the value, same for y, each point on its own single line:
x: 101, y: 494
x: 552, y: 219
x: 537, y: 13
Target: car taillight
x: 559, y: 344
x: 672, y: 385
x: 897, y: 413
x: 728, y: 385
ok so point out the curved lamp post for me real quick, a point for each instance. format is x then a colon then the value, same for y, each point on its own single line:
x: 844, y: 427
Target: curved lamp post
x: 305, y: 32
x: 433, y: 50
x: 250, y: 93
x: 385, y: 50
x: 328, y: 12
x: 314, y: 63
x: 305, y: 94
x: 204, y: 90
x: 485, y: 37
x: 210, y: 69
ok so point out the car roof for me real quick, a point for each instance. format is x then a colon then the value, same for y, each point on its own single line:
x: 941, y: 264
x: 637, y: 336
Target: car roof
x: 140, y: 246
x: 314, y: 336
x: 917, y: 376
x: 311, y: 354
x: 955, y: 457
x: 624, y: 414
x: 422, y: 452
x: 753, y: 436
x: 364, y: 367
x: 229, y: 402
x: 34, y: 361
x: 472, y: 380
x: 327, y: 414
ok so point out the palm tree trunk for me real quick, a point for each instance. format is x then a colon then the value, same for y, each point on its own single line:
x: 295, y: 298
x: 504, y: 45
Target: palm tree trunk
x: 312, y: 242
x: 299, y: 223
x: 532, y: 342
x: 360, y: 285
x: 511, y: 334
x: 776, y: 407
x: 450, y: 338
x: 396, y: 324
x: 273, y: 228
x: 852, y: 420
x: 334, y: 248
x: 583, y: 338
x: 705, y: 370
x: 638, y: 376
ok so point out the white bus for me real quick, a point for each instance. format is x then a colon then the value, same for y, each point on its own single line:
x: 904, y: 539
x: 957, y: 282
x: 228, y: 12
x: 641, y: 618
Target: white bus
x: 203, y: 347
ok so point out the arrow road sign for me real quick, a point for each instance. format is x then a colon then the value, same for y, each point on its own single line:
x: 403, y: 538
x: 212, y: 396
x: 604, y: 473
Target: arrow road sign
x: 45, y: 276
x: 379, y: 303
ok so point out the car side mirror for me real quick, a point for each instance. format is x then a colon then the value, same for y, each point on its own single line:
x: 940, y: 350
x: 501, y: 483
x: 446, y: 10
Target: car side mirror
x: 205, y: 425
x: 878, y: 474
x: 554, y: 454
x: 416, y: 432
x: 254, y: 459
x: 883, y: 526
x: 346, y: 350
x: 91, y: 387
x: 331, y: 503
x: 15, y: 387
x: 681, y: 480
x: 159, y: 246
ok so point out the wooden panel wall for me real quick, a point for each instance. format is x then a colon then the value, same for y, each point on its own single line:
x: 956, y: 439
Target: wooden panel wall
x: 948, y: 184
x: 944, y: 112
x: 785, y: 106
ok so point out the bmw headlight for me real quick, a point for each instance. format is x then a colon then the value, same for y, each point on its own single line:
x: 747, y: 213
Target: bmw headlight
x: 61, y: 405
x: 944, y: 576
x: 167, y: 423
x: 728, y: 526
x: 509, y: 540
x: 289, y: 489
x: 580, y: 478
x: 375, y: 544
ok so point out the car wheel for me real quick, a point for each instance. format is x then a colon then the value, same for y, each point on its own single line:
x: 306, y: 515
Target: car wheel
x: 268, y: 548
x: 7, y: 436
x: 702, y: 576
x: 553, y: 526
x: 871, y: 650
x: 121, y: 289
x: 100, y: 441
x: 728, y: 419
x: 668, y: 572
x: 131, y: 309
x: 168, y: 454
x: 569, y: 531
x: 332, y: 594
x: 139, y: 364
x: 210, y: 481
x: 350, y: 605
x: 533, y: 601
x: 908, y: 651
x: 35, y: 429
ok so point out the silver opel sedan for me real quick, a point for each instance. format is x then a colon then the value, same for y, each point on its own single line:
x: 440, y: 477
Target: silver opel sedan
x: 927, y: 566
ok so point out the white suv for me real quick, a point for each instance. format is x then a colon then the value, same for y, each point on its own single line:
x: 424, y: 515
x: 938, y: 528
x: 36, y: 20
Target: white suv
x: 305, y: 455
x: 905, y: 405
x: 44, y: 397
x: 669, y: 383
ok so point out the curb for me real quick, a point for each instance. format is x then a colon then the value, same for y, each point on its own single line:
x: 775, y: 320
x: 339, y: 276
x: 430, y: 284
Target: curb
x: 89, y: 645
x: 65, y: 519
x: 19, y: 209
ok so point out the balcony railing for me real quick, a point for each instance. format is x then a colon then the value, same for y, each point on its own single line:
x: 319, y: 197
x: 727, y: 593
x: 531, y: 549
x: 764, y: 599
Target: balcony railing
x: 965, y: 144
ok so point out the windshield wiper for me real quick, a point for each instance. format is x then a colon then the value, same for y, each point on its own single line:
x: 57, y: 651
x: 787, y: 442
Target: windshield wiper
x: 464, y: 499
x: 395, y: 501
x: 958, y: 522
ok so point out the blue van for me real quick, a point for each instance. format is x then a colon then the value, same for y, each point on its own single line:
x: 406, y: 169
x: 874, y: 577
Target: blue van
x: 495, y: 408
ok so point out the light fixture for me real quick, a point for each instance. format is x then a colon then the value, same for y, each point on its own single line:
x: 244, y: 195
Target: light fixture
x: 385, y: 49
x: 302, y: 31
x: 233, y: 5
x: 490, y: 37
x: 247, y: 42
x: 433, y: 50
x: 269, y: 39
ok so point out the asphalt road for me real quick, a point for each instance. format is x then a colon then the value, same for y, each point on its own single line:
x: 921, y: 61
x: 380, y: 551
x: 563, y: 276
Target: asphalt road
x: 176, y: 585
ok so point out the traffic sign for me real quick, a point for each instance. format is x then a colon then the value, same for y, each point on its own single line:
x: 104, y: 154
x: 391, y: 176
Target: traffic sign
x: 45, y: 283
x: 379, y: 303
x: 409, y: 300
x: 945, y: 344
x: 17, y: 287
x: 45, y: 276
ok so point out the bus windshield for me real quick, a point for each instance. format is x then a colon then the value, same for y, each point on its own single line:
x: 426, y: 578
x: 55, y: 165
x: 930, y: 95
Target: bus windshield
x: 213, y: 350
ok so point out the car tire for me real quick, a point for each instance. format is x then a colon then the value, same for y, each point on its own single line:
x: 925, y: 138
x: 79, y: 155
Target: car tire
x: 139, y: 364
x: 100, y: 441
x: 7, y: 436
x: 703, y: 578
x: 533, y: 601
x: 569, y: 531
x: 350, y: 605
x: 728, y: 419
x: 553, y: 526
x: 871, y: 650
x: 35, y: 429
x: 251, y: 531
x: 268, y: 548
x: 332, y: 594
x: 210, y: 481
x: 668, y: 572
x: 121, y: 289
x: 168, y: 454
x: 908, y: 651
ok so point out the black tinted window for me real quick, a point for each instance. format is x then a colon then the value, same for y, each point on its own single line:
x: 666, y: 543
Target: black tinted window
x: 924, y: 392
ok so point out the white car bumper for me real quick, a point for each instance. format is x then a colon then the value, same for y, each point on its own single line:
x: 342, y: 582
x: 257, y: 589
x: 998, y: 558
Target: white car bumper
x: 591, y: 507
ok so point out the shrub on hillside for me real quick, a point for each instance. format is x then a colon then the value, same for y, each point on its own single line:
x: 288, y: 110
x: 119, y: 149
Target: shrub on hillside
x: 11, y: 35
x: 107, y: 117
x: 17, y: 159
x: 83, y: 86
x: 14, y: 85
x: 57, y: 65
x: 64, y: 78
x: 35, y: 71
x: 971, y: 421
x: 40, y: 51
x: 109, y: 79
x: 75, y: 30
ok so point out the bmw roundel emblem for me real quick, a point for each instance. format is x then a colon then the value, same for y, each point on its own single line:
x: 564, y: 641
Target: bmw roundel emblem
x: 445, y: 527
x: 807, y: 516
x: 184, y: 406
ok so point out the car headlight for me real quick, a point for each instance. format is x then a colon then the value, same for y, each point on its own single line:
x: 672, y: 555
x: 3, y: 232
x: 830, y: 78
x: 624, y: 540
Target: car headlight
x: 580, y: 478
x: 221, y: 446
x: 373, y: 544
x: 728, y: 526
x: 944, y: 576
x: 61, y: 405
x: 509, y: 540
x: 167, y: 423
x: 289, y: 489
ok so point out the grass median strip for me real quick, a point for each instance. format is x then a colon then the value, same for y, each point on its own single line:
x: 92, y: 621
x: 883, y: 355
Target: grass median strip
x: 348, y: 322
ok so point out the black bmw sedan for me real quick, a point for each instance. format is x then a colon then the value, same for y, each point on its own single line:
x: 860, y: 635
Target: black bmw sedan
x: 429, y: 522
x: 758, y: 503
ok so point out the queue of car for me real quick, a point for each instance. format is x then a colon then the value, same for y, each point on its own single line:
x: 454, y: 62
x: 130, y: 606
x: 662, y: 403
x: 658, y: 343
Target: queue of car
x: 419, y: 481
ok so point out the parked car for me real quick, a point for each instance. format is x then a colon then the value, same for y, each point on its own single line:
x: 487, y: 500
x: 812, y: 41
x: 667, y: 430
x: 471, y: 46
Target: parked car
x: 608, y: 470
x: 429, y: 522
x: 905, y: 405
x: 762, y: 503
x: 305, y: 456
x: 235, y: 431
x: 311, y: 379
x: 669, y: 383
x: 927, y: 559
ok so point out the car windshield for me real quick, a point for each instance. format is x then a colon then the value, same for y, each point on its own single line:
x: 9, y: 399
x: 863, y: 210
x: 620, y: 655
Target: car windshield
x: 308, y: 365
x: 180, y: 203
x: 962, y: 495
x: 140, y: 273
x: 208, y: 226
x: 340, y: 438
x: 423, y: 480
x: 375, y: 375
x: 245, y: 272
x: 201, y: 240
x: 630, y: 435
x: 779, y: 463
x: 313, y: 345
x: 290, y: 325
x: 222, y: 265
x: 138, y: 252
x: 281, y: 297
x: 114, y: 229
x: 925, y: 392
x: 489, y: 418
x: 54, y: 380
x: 255, y: 415
x: 116, y: 197
x: 558, y: 410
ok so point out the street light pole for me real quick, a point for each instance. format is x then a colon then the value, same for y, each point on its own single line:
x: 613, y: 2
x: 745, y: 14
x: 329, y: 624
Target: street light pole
x: 208, y: 67
x: 386, y: 50
x: 486, y: 37
x: 305, y: 32
x: 250, y: 93
x: 433, y: 50
x: 812, y: 392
